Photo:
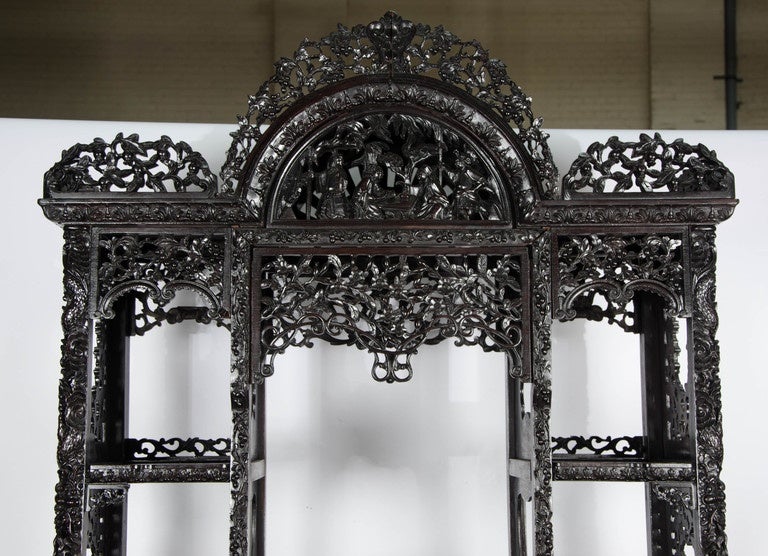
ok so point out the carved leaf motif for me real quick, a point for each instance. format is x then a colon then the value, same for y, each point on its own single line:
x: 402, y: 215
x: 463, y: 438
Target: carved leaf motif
x: 392, y: 305
x: 389, y: 45
x: 128, y: 165
x: 649, y: 165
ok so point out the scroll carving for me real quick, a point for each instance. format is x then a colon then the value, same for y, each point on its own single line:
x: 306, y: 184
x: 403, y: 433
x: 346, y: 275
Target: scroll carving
x: 620, y: 446
x: 128, y: 165
x: 391, y: 305
x: 168, y: 448
x: 159, y: 266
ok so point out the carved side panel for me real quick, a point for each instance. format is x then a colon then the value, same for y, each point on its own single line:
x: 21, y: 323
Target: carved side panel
x: 672, y: 508
x: 240, y: 392
x: 73, y: 393
x: 706, y: 364
x: 107, y: 513
x: 542, y: 394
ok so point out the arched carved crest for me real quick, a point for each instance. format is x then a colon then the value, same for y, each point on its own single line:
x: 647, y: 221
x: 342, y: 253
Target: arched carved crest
x: 390, y: 47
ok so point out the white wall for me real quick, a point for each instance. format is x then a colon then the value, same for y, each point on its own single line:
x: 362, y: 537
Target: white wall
x: 30, y: 285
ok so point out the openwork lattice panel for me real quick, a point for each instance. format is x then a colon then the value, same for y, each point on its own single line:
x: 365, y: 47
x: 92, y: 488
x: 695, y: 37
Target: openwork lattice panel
x: 391, y: 305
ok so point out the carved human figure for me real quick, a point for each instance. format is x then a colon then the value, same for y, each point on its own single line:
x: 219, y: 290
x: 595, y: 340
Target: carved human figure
x: 334, y: 201
x: 365, y: 195
x: 433, y: 202
x: 474, y: 197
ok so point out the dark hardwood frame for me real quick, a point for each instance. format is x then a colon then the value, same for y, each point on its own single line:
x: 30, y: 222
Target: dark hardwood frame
x: 627, y: 237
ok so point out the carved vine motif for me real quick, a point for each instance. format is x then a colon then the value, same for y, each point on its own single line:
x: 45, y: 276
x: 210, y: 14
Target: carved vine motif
x: 128, y: 165
x: 389, y: 46
x: 391, y: 305
x: 649, y: 165
x: 673, y: 506
x: 391, y: 166
x: 542, y: 394
x: 617, y: 266
x: 620, y: 446
x: 706, y: 365
x: 160, y: 265
x: 593, y: 305
x: 240, y: 391
x: 73, y: 394
x: 166, y: 448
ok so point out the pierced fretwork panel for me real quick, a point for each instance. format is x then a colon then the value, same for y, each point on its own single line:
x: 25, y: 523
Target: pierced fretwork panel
x: 613, y: 268
x: 391, y: 305
x: 159, y: 266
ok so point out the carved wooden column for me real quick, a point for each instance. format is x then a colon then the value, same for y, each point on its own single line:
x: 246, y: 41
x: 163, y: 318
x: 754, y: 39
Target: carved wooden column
x: 74, y: 394
x: 706, y: 367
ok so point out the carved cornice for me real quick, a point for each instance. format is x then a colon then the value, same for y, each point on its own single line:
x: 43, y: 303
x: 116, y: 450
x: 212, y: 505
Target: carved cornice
x: 623, y: 211
x: 149, y: 209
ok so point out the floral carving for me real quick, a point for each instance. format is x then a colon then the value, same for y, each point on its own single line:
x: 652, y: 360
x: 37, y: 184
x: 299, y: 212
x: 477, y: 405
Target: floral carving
x: 706, y: 376
x: 240, y: 392
x: 128, y: 165
x: 542, y: 394
x: 649, y: 165
x: 617, y: 266
x: 385, y: 47
x: 391, y: 305
x: 160, y: 265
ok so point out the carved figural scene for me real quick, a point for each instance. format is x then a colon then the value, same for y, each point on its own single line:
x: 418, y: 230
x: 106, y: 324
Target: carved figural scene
x: 389, y: 187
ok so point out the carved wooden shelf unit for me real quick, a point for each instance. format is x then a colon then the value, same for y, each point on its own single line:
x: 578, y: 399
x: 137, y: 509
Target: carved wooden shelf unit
x: 390, y: 187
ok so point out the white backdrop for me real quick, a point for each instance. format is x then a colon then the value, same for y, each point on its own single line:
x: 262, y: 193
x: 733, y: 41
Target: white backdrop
x: 30, y: 285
